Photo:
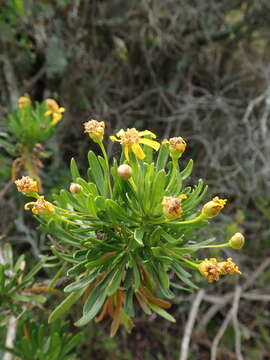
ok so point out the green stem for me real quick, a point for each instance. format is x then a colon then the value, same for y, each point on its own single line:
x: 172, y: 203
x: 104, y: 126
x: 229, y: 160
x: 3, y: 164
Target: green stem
x: 108, y: 166
x: 174, y: 172
x: 56, y: 276
x: 192, y: 221
x: 208, y: 246
x: 189, y: 262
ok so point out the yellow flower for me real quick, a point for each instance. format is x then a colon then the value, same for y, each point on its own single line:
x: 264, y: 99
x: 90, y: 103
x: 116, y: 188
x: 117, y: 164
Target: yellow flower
x: 177, y: 146
x: 228, y: 267
x: 23, y: 101
x: 95, y: 129
x: 54, y: 110
x: 131, y: 140
x: 172, y: 206
x: 40, y: 207
x: 26, y: 185
x: 210, y: 269
x: 213, y: 207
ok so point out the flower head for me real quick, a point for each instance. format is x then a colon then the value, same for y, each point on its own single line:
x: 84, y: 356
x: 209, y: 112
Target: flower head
x: 23, y: 101
x: 237, y: 241
x: 172, y: 206
x: 95, y: 129
x: 177, y: 146
x: 40, y: 207
x: 26, y: 185
x: 213, y: 207
x: 228, y: 267
x: 210, y: 269
x: 131, y: 140
x: 55, y: 110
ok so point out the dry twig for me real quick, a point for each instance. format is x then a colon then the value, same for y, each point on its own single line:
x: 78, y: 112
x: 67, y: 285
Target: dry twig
x: 190, y: 324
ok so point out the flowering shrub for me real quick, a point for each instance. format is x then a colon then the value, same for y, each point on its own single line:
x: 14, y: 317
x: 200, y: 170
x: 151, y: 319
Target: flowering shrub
x: 125, y: 228
x: 30, y: 126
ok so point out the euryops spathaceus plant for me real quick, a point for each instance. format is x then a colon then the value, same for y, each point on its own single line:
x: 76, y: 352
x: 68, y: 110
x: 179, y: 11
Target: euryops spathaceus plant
x: 31, y: 125
x: 126, y: 228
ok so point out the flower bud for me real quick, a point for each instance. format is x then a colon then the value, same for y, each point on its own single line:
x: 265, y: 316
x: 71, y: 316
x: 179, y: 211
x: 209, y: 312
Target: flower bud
x: 23, y: 101
x: 177, y: 146
x: 75, y: 188
x: 95, y: 129
x: 213, y: 207
x: 124, y: 171
x: 237, y: 241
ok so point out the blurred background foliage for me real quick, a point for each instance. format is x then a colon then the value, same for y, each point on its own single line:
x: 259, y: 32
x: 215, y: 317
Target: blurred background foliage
x: 196, y: 69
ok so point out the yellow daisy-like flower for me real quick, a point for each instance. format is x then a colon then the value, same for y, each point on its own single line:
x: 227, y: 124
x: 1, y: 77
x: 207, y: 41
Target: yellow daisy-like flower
x: 131, y: 140
x: 55, y: 110
x: 23, y: 101
x: 26, y: 185
x: 95, y: 129
x: 209, y: 268
x: 213, y: 207
x: 40, y: 207
x: 229, y: 267
x: 172, y: 206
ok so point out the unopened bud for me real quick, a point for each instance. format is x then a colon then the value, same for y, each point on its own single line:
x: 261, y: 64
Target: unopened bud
x: 212, y: 208
x: 75, y: 188
x: 124, y: 171
x: 237, y: 241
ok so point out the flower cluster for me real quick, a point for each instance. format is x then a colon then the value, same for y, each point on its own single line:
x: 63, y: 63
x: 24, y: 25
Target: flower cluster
x: 127, y: 227
x: 211, y: 269
x: 27, y: 185
x: 172, y: 206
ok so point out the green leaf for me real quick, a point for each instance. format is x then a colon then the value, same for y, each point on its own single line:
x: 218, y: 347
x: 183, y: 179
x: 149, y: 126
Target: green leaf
x: 2, y: 277
x: 96, y: 172
x: 63, y: 308
x: 8, y: 255
x: 73, y: 342
x: 128, y: 307
x: 163, y: 155
x: 138, y: 236
x: 74, y: 170
x: 158, y: 188
x: 92, y: 306
x: 82, y: 283
x: 187, y: 171
x: 115, y: 281
x: 161, y: 312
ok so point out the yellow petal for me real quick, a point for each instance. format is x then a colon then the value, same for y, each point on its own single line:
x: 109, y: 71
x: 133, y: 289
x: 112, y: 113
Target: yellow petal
x: 153, y: 144
x: 56, y: 118
x: 47, y: 113
x: 113, y: 138
x: 147, y: 132
x: 120, y: 132
x: 61, y: 109
x: 126, y: 153
x: 138, y: 151
x: 26, y: 206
